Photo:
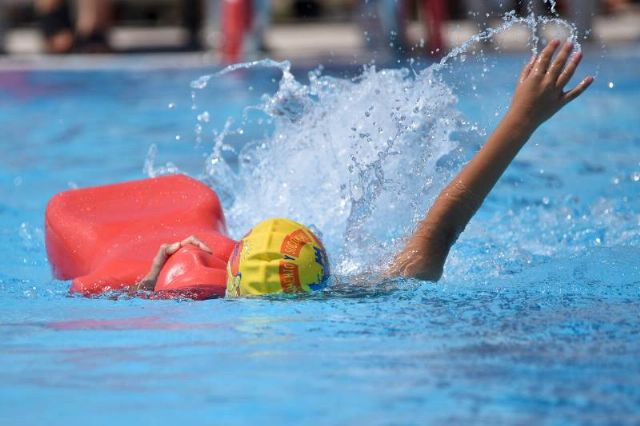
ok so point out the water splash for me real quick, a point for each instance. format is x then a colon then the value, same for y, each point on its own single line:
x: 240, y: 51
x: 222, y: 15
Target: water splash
x: 150, y: 168
x: 509, y: 20
x: 359, y: 159
x: 343, y: 156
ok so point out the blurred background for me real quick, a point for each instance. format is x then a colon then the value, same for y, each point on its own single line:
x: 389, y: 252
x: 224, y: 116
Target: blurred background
x: 234, y: 30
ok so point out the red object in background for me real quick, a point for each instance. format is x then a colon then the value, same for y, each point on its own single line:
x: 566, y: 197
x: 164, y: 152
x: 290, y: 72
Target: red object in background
x: 236, y: 21
x: 105, y: 238
x: 434, y: 15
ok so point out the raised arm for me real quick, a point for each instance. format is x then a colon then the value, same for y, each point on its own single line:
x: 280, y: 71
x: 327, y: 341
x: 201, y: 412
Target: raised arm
x: 538, y: 96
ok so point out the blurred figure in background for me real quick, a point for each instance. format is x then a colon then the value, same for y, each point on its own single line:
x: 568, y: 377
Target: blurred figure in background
x: 483, y: 11
x: 385, y: 25
x: 3, y: 29
x: 242, y: 24
x: 434, y: 14
x: 618, y: 5
x: 260, y: 22
x: 88, y: 35
x: 192, y: 19
x: 580, y: 12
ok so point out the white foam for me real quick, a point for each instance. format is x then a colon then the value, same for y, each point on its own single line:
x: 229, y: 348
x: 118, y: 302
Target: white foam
x: 355, y: 158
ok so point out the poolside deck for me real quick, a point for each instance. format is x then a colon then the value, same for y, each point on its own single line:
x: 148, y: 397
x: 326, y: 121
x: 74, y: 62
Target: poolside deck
x: 303, y: 44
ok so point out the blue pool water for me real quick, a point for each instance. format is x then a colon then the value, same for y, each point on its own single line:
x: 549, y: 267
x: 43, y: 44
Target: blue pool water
x: 536, y: 320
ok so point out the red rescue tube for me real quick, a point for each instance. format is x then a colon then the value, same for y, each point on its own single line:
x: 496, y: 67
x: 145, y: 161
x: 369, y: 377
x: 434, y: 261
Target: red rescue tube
x: 104, y: 238
x: 193, y: 273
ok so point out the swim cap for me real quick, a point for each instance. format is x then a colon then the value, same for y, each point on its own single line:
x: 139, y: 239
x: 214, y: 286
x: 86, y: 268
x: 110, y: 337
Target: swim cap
x: 277, y: 256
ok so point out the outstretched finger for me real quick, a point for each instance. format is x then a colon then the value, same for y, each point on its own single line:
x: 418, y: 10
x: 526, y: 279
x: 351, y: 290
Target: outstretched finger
x: 542, y: 64
x: 577, y: 91
x: 161, y: 256
x: 559, y: 63
x: 527, y: 68
x: 172, y: 248
x: 195, y: 241
x: 569, y: 70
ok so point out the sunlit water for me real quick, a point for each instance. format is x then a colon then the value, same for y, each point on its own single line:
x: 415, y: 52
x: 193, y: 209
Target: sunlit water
x: 536, y: 318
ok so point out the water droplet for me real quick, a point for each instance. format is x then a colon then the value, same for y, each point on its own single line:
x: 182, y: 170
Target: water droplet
x: 204, y: 117
x: 611, y: 85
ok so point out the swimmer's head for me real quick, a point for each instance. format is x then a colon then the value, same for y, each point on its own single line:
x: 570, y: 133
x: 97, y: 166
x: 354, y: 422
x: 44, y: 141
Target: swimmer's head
x: 277, y: 256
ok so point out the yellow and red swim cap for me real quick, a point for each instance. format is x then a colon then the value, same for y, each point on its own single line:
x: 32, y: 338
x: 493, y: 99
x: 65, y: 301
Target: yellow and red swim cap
x: 277, y: 256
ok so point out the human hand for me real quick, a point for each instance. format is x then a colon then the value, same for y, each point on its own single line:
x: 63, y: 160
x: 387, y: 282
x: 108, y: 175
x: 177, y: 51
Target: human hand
x: 148, y: 283
x: 167, y: 250
x: 540, y: 91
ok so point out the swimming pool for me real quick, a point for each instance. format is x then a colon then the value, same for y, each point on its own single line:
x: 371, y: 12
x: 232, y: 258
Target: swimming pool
x: 535, y: 320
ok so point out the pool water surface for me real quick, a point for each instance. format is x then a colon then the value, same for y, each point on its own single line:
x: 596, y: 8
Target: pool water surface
x: 536, y: 320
